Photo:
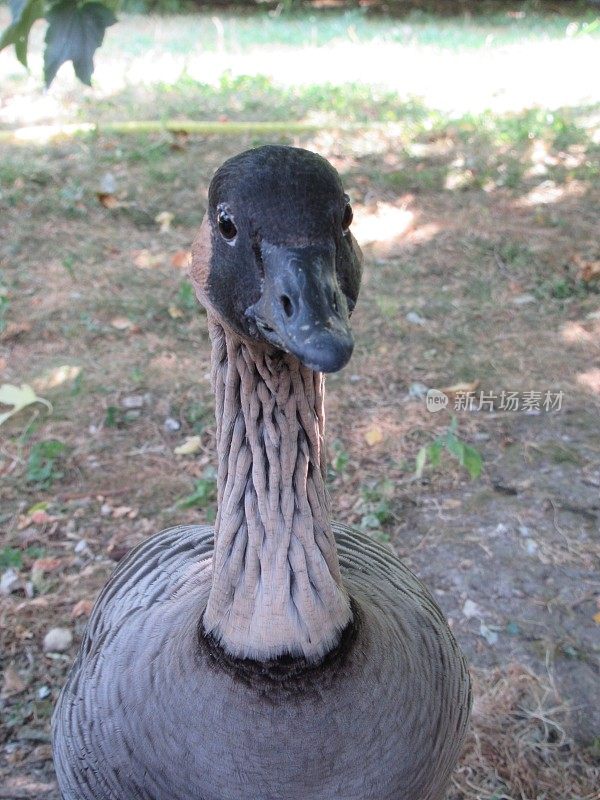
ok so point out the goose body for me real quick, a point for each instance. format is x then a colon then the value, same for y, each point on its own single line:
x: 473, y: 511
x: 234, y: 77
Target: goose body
x: 172, y: 719
x: 278, y: 656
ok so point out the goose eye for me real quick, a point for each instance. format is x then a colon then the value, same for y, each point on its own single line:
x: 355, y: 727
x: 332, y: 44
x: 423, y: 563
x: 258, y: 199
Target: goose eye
x: 226, y: 226
x: 347, y: 218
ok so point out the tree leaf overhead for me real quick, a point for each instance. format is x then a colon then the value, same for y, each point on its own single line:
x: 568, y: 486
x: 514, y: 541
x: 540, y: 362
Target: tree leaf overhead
x: 74, y: 34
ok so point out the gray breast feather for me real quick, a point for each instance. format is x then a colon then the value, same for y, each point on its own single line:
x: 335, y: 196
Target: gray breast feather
x: 147, y: 714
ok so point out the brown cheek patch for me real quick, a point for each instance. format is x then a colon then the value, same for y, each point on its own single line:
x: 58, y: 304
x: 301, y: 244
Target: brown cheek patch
x: 201, y: 259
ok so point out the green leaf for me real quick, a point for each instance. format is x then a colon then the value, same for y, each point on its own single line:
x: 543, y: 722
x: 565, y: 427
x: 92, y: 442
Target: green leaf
x: 455, y: 446
x: 51, y: 448
x: 204, y: 492
x: 18, y: 397
x: 41, y: 464
x: 24, y: 14
x: 10, y: 557
x: 370, y: 521
x: 472, y: 461
x: 41, y: 506
x: 74, y: 34
x: 421, y: 461
x: 434, y: 452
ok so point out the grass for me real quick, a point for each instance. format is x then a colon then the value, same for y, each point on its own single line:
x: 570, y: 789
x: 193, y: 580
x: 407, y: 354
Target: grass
x: 530, y: 758
x: 243, y: 66
x: 245, y: 29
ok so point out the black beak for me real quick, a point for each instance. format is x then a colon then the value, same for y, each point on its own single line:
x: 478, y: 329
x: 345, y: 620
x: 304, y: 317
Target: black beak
x: 302, y: 309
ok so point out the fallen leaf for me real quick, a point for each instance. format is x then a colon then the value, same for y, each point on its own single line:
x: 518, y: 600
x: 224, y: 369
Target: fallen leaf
x: 596, y: 617
x: 144, y: 259
x: 18, y: 397
x: 175, y: 312
x: 108, y: 200
x: 121, y: 323
x: 46, y: 564
x: 181, y: 259
x: 12, y: 683
x: 461, y: 388
x: 180, y: 140
x: 189, y: 447
x: 373, y: 435
x: 23, y: 521
x: 451, y: 502
x: 40, y: 517
x: 57, y: 376
x: 83, y: 608
x: 164, y: 219
x: 121, y: 511
x: 589, y: 271
x: 13, y: 330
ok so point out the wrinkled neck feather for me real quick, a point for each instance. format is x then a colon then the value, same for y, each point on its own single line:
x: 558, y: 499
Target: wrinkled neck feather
x: 276, y: 587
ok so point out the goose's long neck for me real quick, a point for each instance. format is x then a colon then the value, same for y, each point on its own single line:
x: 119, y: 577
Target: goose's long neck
x: 276, y: 586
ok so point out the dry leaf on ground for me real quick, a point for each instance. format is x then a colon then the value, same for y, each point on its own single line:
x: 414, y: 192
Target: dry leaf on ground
x: 373, y: 435
x: 189, y: 447
x: 181, y: 259
x: 144, y: 259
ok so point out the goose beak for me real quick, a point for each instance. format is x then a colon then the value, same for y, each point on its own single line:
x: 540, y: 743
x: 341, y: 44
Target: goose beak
x: 302, y: 309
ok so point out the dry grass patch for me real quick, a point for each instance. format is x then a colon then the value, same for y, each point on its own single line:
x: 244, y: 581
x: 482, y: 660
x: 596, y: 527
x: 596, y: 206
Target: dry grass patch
x: 518, y: 748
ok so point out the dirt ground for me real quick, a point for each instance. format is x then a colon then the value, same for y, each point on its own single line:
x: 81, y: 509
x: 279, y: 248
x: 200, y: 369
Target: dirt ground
x: 470, y: 278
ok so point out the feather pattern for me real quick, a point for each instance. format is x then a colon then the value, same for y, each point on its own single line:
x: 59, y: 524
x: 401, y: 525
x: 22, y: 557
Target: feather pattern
x: 149, y: 714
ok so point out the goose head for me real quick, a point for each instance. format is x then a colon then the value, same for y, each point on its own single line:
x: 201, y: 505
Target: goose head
x: 275, y: 260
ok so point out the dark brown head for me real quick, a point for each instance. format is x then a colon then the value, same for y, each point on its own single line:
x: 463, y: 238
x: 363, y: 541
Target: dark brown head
x: 275, y: 260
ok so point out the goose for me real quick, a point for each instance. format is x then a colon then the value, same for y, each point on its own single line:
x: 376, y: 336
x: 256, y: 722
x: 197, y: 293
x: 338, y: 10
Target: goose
x: 279, y: 656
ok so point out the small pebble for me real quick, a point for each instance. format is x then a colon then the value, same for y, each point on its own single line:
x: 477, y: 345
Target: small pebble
x: 531, y: 546
x: 43, y: 692
x: 9, y: 582
x: 172, y: 424
x: 417, y: 390
x: 471, y: 609
x: 57, y: 640
x: 81, y: 546
x: 108, y: 184
x: 415, y: 318
x: 133, y: 401
x: 489, y: 635
x: 524, y: 299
